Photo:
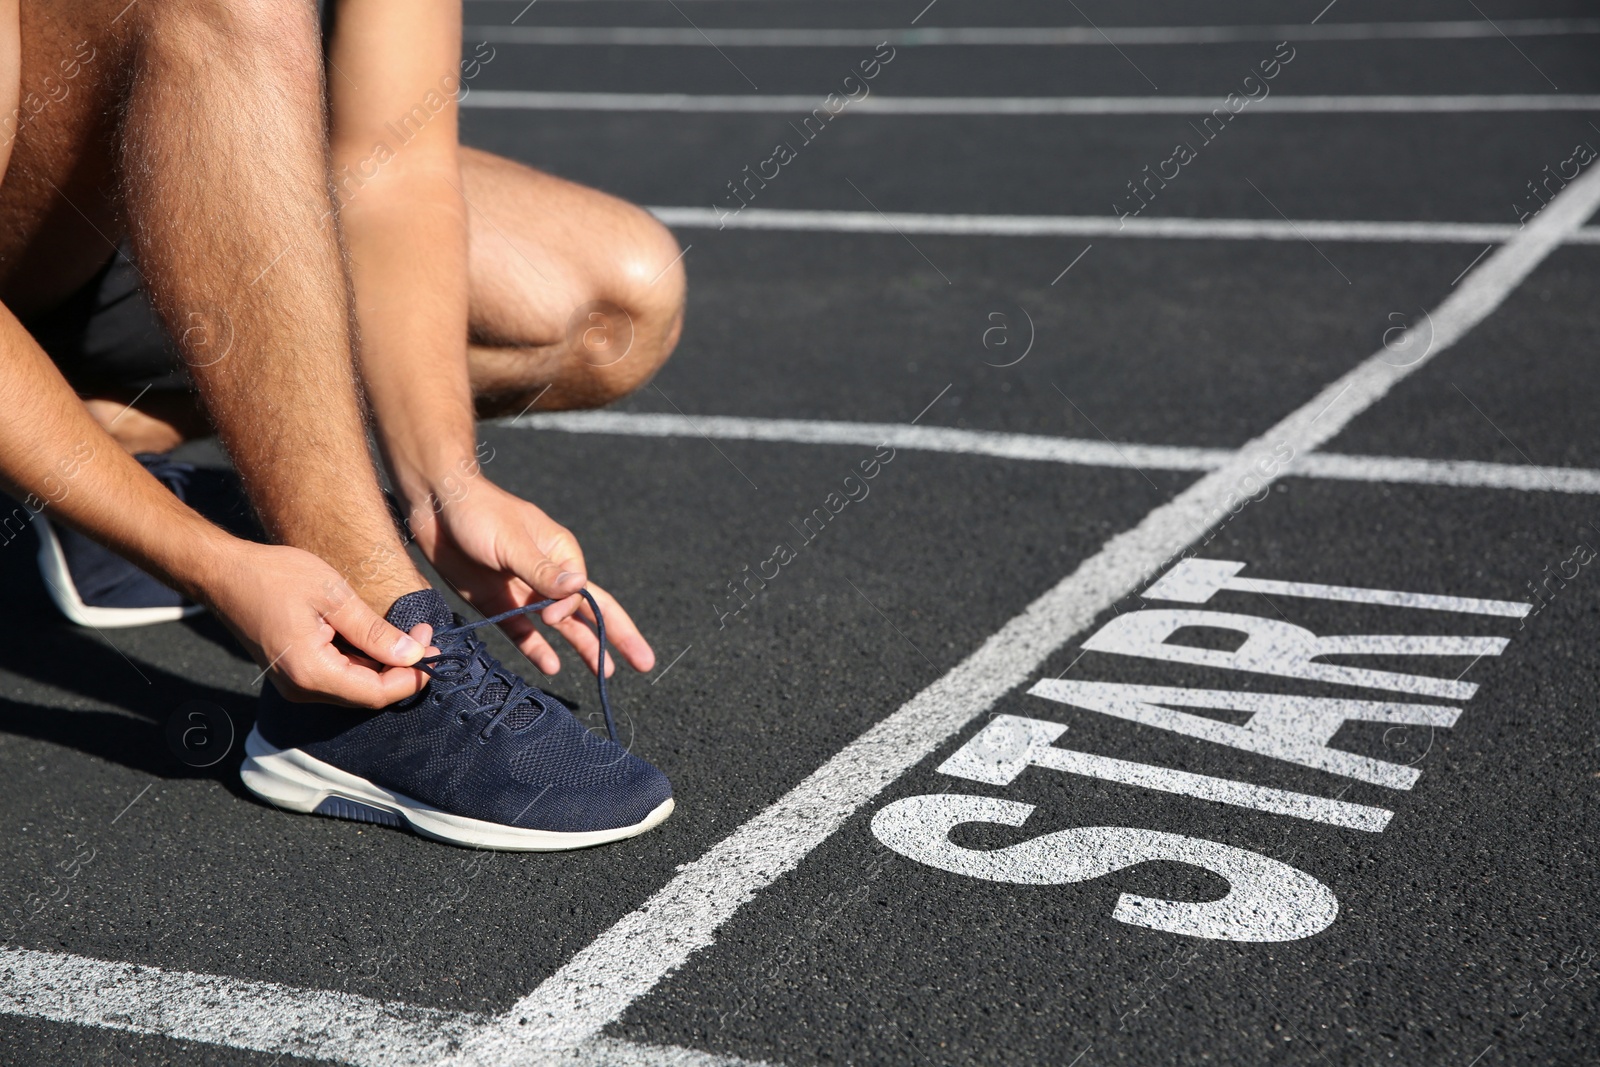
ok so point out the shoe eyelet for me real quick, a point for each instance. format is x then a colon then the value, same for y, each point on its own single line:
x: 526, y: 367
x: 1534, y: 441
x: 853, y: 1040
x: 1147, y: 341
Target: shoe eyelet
x: 462, y: 719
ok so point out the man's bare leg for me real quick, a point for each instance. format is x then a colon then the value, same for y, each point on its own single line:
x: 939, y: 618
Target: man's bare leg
x: 60, y: 214
x: 61, y: 211
x: 226, y: 198
x: 596, y: 252
x: 564, y: 281
x: 576, y: 297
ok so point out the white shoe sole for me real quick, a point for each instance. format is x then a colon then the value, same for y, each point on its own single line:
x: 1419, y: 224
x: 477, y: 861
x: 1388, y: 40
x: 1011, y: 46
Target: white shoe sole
x: 288, y: 778
x: 58, y: 579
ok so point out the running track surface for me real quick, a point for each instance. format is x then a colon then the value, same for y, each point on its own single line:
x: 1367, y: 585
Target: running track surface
x: 1343, y: 346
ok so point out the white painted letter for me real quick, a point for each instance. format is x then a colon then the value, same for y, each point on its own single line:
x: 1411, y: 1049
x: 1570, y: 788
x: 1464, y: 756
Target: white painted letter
x: 1011, y: 744
x: 1194, y: 581
x: 1288, y: 651
x: 1266, y: 900
x: 1292, y: 728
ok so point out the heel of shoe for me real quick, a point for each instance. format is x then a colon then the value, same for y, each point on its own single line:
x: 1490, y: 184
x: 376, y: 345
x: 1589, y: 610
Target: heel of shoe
x: 272, y: 776
x: 52, y: 561
x: 289, y: 781
x: 355, y: 811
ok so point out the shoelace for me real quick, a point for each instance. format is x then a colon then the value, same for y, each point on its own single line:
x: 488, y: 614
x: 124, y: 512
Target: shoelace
x: 472, y: 649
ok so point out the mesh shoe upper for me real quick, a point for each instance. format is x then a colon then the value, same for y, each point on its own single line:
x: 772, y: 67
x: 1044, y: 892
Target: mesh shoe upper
x: 476, y: 742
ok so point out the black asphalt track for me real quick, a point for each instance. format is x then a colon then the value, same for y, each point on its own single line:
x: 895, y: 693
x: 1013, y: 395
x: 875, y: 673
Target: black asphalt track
x: 1466, y: 928
x: 1395, y: 168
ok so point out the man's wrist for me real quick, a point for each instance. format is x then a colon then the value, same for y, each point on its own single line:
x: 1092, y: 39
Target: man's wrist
x: 446, y: 478
x: 201, y: 559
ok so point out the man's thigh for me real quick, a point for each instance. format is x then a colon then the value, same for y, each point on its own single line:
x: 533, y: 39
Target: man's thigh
x: 59, y: 210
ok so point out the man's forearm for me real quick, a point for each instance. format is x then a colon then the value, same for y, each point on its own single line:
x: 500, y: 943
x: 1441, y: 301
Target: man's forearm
x: 58, y: 460
x: 225, y: 153
x: 408, y: 255
x: 398, y: 182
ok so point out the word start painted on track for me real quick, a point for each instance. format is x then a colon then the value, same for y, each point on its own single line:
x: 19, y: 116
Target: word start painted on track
x: 1267, y: 899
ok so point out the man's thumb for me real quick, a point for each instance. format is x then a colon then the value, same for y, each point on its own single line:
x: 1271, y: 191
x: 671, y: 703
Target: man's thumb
x: 372, y: 634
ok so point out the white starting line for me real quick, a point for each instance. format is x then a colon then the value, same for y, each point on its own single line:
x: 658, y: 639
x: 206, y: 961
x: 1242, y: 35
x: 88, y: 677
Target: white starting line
x: 1024, y: 36
x: 876, y: 104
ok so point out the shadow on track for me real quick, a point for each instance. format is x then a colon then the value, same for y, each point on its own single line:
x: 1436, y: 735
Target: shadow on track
x: 65, y: 657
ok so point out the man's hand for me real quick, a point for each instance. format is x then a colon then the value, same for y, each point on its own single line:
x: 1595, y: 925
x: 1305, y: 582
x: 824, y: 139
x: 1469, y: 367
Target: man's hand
x: 287, y: 608
x: 502, y: 552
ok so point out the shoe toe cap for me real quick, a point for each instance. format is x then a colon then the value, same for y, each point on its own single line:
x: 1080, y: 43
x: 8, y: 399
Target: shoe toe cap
x: 619, y: 800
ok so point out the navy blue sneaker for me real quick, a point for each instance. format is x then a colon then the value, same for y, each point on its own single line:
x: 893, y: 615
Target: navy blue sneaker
x: 93, y: 586
x: 478, y: 758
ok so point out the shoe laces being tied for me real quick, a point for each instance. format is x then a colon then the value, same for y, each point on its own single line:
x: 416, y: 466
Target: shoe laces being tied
x: 497, y: 689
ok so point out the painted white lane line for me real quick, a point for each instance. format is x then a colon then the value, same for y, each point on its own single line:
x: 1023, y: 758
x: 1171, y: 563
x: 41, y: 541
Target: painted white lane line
x: 268, y: 1017
x: 754, y: 218
x: 532, y: 100
x: 1465, y: 473
x: 872, y: 434
x: 623, y: 964
x: 682, y: 37
x: 1037, y: 447
x: 263, y: 1016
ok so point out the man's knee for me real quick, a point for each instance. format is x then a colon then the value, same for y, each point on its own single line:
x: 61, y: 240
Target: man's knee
x: 644, y: 297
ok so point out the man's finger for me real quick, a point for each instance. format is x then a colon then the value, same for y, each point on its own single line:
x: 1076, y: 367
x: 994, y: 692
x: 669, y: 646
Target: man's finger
x: 371, y: 633
x: 326, y: 675
x: 563, y: 609
x: 546, y: 576
x: 531, y: 643
x: 621, y: 632
x: 585, y: 644
x: 422, y: 633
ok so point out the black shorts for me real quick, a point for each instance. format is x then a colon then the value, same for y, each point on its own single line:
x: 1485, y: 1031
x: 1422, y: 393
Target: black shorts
x: 106, y: 338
